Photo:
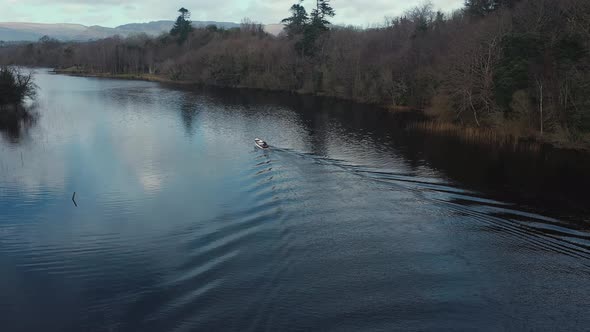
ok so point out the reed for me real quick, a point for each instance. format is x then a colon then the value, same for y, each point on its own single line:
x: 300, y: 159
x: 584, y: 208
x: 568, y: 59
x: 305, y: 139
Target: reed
x: 479, y: 136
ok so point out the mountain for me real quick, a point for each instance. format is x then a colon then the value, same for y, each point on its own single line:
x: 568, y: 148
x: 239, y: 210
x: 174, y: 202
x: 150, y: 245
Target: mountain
x: 17, y: 31
x: 274, y: 29
x: 7, y: 34
x: 12, y: 31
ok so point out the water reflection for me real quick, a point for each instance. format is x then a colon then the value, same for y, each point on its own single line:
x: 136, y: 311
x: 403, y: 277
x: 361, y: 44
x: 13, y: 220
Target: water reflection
x: 349, y: 222
x: 545, y: 179
x: 17, y: 121
x: 189, y: 111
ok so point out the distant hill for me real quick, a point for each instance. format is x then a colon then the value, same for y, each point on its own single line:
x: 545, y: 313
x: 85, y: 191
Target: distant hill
x: 17, y: 31
x: 7, y: 34
x: 274, y: 29
x: 33, y: 31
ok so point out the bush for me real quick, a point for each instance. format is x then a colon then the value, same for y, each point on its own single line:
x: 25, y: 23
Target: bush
x: 15, y: 86
x: 441, y: 109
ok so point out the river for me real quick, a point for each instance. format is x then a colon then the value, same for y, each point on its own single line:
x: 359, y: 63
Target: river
x: 349, y: 222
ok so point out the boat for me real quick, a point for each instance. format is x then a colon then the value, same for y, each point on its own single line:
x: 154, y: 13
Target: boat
x: 260, y: 143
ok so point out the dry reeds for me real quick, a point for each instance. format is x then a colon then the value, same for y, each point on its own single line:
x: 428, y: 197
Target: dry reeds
x: 480, y: 136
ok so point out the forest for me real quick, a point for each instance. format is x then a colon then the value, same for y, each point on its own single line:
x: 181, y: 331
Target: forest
x: 516, y: 66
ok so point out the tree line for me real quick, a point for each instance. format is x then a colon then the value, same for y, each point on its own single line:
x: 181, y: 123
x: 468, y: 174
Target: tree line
x: 520, y: 65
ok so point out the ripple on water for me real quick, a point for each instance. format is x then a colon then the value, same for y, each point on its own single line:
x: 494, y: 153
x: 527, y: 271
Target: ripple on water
x: 182, y: 224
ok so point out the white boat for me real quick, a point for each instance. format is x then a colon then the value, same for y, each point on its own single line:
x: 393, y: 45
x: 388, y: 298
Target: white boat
x: 260, y: 143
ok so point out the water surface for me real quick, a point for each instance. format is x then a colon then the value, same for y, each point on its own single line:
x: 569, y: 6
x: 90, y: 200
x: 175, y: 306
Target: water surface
x: 348, y: 223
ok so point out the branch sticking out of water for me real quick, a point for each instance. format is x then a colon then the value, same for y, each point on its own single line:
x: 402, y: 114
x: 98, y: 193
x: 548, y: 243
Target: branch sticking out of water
x: 74, y: 199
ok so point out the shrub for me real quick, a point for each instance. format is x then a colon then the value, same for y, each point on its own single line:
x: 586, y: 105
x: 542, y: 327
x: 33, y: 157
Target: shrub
x: 15, y: 86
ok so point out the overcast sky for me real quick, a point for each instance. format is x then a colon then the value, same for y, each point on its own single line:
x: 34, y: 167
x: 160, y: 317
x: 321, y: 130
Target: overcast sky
x: 116, y: 12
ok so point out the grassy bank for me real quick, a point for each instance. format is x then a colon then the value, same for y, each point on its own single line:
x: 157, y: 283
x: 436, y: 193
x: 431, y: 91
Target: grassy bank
x: 501, y: 137
x: 74, y: 71
x: 77, y: 71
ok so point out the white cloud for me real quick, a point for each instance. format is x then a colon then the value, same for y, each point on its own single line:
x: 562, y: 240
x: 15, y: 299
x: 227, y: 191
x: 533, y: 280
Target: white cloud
x: 116, y: 12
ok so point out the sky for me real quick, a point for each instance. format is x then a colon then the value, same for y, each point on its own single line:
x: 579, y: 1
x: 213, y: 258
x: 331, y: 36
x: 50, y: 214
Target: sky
x: 111, y: 13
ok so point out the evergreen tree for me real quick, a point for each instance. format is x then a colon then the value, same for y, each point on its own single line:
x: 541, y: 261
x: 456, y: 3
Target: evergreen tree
x: 311, y: 27
x: 480, y: 8
x: 506, y: 3
x: 182, y: 27
x: 320, y: 15
x: 295, y: 24
x: 318, y: 24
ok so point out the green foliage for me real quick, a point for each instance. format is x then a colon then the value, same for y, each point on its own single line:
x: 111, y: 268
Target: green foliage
x: 526, y: 61
x: 479, y: 8
x: 570, y: 49
x: 212, y: 28
x: 309, y: 28
x: 317, y: 26
x: 307, y: 45
x: 182, y: 27
x: 320, y: 15
x: 512, y: 73
x: 482, y: 8
x: 295, y: 24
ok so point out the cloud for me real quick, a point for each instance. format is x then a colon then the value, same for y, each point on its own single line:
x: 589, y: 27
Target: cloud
x: 116, y: 12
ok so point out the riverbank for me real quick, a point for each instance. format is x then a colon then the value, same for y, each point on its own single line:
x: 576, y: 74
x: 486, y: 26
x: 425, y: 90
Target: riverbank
x: 138, y: 77
x: 467, y: 134
x: 73, y: 71
x: 501, y: 137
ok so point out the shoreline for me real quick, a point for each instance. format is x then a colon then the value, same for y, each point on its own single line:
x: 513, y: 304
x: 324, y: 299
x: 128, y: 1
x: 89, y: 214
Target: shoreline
x: 130, y: 77
x: 163, y: 79
x: 467, y: 134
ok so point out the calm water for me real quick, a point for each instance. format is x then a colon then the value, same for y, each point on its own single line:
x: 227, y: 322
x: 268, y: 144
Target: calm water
x: 348, y: 223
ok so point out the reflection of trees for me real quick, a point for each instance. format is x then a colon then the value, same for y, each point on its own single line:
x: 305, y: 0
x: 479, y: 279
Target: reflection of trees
x: 16, y: 121
x: 315, y: 122
x: 188, y: 110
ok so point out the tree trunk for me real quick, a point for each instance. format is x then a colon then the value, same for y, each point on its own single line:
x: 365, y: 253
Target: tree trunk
x: 540, y: 85
x: 473, y: 108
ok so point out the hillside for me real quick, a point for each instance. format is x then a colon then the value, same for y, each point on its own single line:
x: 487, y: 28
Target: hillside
x: 20, y: 31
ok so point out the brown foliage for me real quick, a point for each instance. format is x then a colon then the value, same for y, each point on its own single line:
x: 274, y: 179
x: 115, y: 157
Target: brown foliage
x: 449, y: 65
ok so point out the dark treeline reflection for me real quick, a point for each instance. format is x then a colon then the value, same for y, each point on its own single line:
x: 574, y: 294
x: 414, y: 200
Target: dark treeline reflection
x: 16, y: 122
x: 517, y: 66
x: 349, y: 222
x: 542, y: 177
x: 536, y: 175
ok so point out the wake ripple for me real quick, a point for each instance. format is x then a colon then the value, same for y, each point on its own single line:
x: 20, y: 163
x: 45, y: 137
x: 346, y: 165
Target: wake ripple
x: 544, y: 233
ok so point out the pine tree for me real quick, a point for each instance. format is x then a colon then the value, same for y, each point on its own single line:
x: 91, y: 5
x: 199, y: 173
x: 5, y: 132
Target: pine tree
x: 310, y: 27
x: 320, y: 15
x: 480, y: 8
x: 295, y: 24
x: 506, y: 3
x: 182, y: 27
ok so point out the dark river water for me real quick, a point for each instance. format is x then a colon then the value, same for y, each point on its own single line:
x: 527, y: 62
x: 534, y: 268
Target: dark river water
x: 349, y: 223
